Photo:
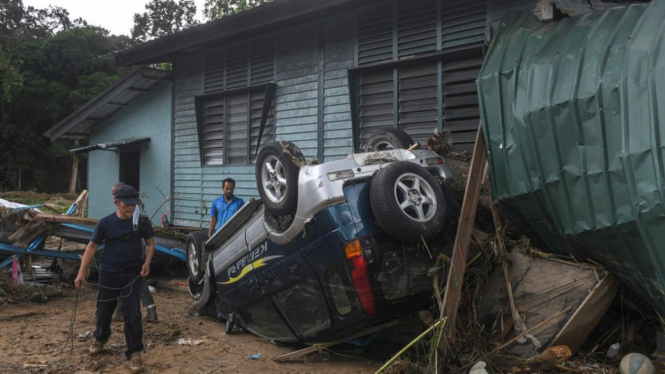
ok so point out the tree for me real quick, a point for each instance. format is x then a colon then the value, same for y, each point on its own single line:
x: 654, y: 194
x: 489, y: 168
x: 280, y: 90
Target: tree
x: 216, y: 9
x: 49, y: 66
x: 163, y: 17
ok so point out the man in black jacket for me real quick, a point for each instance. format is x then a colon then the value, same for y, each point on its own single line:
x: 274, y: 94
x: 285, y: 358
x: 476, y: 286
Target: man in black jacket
x: 121, y: 272
x: 146, y: 297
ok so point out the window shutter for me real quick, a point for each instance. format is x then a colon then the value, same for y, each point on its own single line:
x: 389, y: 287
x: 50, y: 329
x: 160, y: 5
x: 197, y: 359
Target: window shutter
x: 240, y: 65
x: 236, y: 135
x: 255, y: 120
x: 262, y: 60
x: 213, y: 132
x: 463, y: 22
x: 416, y: 28
x: 213, y: 70
x: 418, y: 93
x: 376, y: 103
x: 375, y: 34
x: 236, y: 66
x: 460, y: 102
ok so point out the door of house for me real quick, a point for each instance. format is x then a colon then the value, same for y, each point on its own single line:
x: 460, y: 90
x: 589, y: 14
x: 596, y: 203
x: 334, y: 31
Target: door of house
x: 130, y: 167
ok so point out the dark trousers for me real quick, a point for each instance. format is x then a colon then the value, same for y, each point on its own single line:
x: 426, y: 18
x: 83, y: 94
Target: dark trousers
x: 111, y: 288
x: 146, y: 298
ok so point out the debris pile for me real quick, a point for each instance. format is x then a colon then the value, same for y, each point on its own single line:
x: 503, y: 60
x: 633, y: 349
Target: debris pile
x: 523, y: 310
x: 12, y: 292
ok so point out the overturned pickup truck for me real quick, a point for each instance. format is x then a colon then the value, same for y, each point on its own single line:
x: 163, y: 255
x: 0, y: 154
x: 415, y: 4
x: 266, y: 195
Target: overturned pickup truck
x: 329, y: 249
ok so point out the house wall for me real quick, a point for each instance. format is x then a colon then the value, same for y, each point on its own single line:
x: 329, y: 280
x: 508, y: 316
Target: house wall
x: 147, y: 116
x: 189, y: 208
x: 339, y: 56
x: 313, y: 102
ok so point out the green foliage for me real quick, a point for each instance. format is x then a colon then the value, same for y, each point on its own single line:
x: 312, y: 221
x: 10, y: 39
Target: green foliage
x: 163, y: 17
x: 216, y: 9
x: 49, y: 66
x: 9, y: 76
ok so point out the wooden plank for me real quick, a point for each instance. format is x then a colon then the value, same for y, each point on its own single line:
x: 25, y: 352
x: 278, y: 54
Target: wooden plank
x: 39, y: 216
x: 588, y: 314
x: 317, y: 347
x: 503, y: 256
x: 541, y: 287
x: 451, y: 297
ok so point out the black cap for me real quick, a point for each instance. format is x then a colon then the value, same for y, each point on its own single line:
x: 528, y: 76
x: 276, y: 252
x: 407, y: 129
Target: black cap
x: 127, y: 194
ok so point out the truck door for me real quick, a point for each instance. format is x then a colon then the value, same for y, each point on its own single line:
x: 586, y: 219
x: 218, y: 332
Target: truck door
x: 295, y: 289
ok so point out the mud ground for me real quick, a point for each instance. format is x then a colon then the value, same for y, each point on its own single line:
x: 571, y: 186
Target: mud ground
x: 35, y: 338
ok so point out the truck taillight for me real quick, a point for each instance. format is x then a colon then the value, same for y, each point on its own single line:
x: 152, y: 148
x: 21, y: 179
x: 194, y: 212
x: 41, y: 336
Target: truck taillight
x: 358, y: 268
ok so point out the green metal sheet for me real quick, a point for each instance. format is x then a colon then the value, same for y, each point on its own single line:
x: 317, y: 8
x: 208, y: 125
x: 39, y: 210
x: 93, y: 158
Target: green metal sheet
x: 571, y: 111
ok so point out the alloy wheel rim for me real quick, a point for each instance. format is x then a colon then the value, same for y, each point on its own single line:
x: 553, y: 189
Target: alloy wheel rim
x: 273, y: 179
x: 384, y: 146
x: 193, y: 260
x: 415, y: 197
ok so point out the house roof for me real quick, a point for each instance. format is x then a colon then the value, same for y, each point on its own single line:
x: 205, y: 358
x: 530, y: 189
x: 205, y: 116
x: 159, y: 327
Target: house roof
x: 262, y: 19
x: 104, y: 105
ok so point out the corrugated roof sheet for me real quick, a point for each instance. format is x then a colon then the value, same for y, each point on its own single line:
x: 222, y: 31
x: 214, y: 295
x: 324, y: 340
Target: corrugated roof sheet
x: 571, y: 113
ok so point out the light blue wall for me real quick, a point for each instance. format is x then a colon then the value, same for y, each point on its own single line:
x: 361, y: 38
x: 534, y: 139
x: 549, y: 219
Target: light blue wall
x: 147, y: 116
x: 297, y: 76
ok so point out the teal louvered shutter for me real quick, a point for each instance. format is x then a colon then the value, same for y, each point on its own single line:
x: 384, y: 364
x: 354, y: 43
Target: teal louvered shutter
x: 213, y: 70
x: 236, y: 66
x: 262, y: 61
x: 416, y: 28
x: 460, y: 102
x: 213, y: 132
x: 236, y: 129
x: 462, y: 22
x: 376, y: 103
x: 375, y: 35
x: 418, y: 97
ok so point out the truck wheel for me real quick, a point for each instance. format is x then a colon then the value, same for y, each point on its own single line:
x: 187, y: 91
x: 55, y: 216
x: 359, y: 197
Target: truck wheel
x: 277, y: 168
x: 386, y: 139
x: 407, y: 202
x: 195, y: 250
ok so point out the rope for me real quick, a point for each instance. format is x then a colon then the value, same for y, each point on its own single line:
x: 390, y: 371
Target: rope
x: 71, y: 326
x: 70, y: 337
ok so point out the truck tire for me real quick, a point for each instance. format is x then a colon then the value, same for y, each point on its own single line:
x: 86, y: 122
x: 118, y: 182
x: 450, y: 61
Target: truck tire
x: 407, y: 202
x: 386, y: 139
x: 195, y: 255
x: 277, y: 168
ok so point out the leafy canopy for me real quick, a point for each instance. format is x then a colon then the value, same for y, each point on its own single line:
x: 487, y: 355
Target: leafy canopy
x: 163, y: 17
x: 216, y: 9
x: 49, y: 66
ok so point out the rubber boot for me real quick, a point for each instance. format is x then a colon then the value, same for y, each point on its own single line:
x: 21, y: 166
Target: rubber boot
x: 151, y: 314
x: 118, y: 316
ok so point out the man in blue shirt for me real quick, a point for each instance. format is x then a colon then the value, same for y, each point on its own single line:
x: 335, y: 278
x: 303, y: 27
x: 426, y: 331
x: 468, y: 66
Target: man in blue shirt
x: 224, y: 207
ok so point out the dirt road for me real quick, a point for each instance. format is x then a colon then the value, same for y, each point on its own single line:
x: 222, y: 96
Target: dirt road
x: 32, y: 336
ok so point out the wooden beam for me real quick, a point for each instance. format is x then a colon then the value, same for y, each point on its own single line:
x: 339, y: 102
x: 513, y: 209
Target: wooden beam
x: 503, y: 257
x: 58, y: 218
x: 451, y: 296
